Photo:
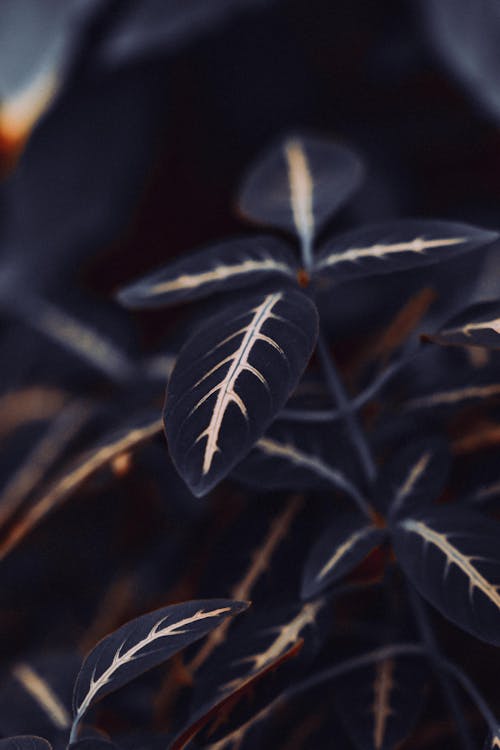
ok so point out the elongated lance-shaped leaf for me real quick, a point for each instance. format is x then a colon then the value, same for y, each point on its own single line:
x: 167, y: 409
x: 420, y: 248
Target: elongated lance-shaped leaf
x: 231, y: 379
x: 232, y: 264
x: 299, y: 184
x: 142, y: 644
x: 348, y: 540
x: 61, y: 488
x: 36, y: 695
x: 221, y: 703
x: 414, y: 477
x: 478, y: 325
x: 293, y: 456
x: 452, y: 556
x: 453, y: 397
x: 25, y: 742
x: 380, y: 704
x: 395, y: 246
x: 262, y: 642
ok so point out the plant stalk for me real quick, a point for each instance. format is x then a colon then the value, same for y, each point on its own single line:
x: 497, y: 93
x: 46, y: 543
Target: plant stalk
x: 343, y: 402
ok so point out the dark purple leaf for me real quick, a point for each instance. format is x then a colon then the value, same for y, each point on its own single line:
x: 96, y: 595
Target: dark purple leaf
x: 342, y: 546
x: 232, y: 264
x: 299, y: 184
x: 232, y: 378
x: 414, y: 477
x: 396, y: 246
x: 144, y: 643
x: 452, y: 556
x: 478, y: 325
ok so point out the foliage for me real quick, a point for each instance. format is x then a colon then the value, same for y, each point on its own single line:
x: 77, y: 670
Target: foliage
x: 271, y: 519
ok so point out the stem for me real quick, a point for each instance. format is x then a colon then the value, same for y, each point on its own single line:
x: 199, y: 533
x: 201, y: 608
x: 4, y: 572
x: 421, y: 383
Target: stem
x: 473, y: 693
x: 357, y: 662
x: 341, y: 398
x: 426, y: 632
x: 331, y: 415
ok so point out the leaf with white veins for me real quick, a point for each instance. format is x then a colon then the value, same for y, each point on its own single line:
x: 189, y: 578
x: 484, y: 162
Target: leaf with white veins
x: 232, y: 378
x: 299, y: 184
x: 345, y: 543
x: 396, y: 246
x: 478, y: 325
x: 144, y: 643
x: 452, y: 557
x: 232, y: 264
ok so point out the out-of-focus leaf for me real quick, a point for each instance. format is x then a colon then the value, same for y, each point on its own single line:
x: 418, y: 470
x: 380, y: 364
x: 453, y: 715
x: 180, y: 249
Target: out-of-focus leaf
x: 25, y: 742
x: 84, y: 467
x: 95, y: 167
x: 297, y: 457
x: 478, y: 325
x: 379, y: 704
x: 466, y: 35
x: 148, y: 27
x: 142, y: 644
x: 299, y: 184
x: 396, y: 246
x: 231, y: 379
x: 92, y: 743
x: 232, y: 264
x: 452, y: 557
x: 262, y: 643
x: 414, y: 477
x: 35, y: 696
x: 343, y: 545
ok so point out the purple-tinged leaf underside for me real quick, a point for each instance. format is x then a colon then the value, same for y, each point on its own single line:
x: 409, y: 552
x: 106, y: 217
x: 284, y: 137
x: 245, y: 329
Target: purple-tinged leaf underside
x: 452, y: 557
x: 144, y: 643
x: 396, y: 246
x: 299, y: 184
x: 232, y: 264
x: 232, y: 378
x: 339, y: 549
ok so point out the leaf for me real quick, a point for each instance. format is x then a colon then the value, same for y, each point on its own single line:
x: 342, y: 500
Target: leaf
x: 259, y: 644
x: 478, y: 325
x: 414, y: 477
x: 95, y: 169
x: 342, y: 546
x: 452, y: 557
x: 92, y: 743
x: 466, y: 38
x: 232, y: 264
x: 297, y: 457
x: 153, y: 27
x: 62, y: 487
x: 25, y: 742
x: 231, y: 379
x: 36, y: 695
x: 395, y: 246
x: 144, y: 643
x: 227, y: 699
x: 379, y: 704
x: 299, y: 184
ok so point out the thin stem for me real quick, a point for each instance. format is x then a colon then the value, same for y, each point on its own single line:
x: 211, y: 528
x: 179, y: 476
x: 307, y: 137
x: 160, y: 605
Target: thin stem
x: 426, y: 632
x: 332, y: 415
x: 473, y: 693
x: 338, y: 392
x: 357, y: 662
